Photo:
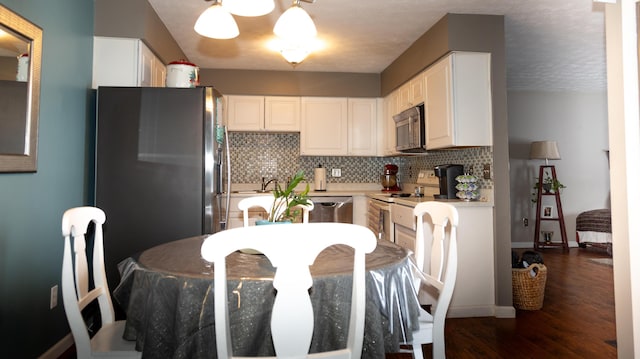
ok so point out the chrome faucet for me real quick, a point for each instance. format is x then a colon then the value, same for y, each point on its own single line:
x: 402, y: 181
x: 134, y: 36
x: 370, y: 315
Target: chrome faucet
x: 263, y: 188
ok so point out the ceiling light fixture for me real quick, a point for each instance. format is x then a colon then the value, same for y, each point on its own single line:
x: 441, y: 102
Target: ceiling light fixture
x: 249, y: 7
x: 217, y: 23
x: 294, y: 52
x: 295, y: 23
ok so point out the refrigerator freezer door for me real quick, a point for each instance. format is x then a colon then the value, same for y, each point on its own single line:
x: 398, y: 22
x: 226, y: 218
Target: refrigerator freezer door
x: 149, y: 168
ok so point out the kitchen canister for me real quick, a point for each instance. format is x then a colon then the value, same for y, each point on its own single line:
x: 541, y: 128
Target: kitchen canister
x: 182, y: 73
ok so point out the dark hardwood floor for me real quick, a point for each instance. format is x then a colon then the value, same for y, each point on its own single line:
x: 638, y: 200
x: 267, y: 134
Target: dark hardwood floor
x: 576, y: 321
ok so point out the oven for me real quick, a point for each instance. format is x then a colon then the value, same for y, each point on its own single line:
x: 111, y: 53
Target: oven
x: 379, y: 219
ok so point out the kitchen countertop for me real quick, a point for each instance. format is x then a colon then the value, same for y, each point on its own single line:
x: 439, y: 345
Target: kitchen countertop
x: 412, y: 200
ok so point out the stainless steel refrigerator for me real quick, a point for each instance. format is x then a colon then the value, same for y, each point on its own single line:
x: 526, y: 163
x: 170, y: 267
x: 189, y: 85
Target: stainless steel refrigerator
x: 162, y: 167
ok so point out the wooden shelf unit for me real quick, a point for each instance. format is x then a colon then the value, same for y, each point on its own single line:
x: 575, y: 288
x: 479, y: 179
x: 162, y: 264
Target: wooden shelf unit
x: 537, y: 243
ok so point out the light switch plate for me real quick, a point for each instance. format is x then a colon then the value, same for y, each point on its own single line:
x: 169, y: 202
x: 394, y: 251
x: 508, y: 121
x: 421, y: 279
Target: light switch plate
x: 336, y: 172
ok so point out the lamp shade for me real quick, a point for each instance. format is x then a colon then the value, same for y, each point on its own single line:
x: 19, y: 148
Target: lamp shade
x: 248, y: 7
x: 217, y: 23
x: 295, y: 24
x: 545, y: 150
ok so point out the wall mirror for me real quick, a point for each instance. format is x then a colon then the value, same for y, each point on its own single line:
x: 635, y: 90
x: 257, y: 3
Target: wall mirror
x: 20, y: 64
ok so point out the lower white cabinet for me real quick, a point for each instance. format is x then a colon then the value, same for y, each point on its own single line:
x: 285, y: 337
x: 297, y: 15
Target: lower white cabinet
x: 126, y: 62
x: 337, y: 126
x: 474, y: 294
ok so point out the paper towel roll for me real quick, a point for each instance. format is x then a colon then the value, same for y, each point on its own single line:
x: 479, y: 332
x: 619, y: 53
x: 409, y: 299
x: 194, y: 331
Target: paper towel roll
x: 320, y: 179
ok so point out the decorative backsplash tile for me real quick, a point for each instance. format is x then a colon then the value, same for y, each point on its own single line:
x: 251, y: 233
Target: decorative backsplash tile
x: 277, y: 155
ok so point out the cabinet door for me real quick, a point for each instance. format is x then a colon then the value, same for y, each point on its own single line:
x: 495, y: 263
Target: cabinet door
x: 282, y: 113
x: 115, y: 62
x: 416, y: 86
x: 405, y: 237
x: 439, y: 117
x: 389, y: 125
x: 245, y: 113
x: 459, y: 101
x: 151, y: 71
x: 362, y: 126
x: 323, y: 127
x: 404, y: 97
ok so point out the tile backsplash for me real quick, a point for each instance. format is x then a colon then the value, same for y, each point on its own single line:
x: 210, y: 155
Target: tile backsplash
x: 277, y: 155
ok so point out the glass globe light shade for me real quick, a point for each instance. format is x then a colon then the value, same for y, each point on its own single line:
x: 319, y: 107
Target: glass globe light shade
x: 217, y: 23
x: 295, y: 23
x: 248, y: 7
x: 294, y: 51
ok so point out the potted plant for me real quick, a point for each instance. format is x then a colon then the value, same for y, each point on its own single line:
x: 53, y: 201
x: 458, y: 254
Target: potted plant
x: 549, y: 185
x: 285, y: 200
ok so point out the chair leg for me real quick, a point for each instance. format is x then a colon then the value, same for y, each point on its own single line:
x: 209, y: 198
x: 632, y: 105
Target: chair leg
x: 417, y: 351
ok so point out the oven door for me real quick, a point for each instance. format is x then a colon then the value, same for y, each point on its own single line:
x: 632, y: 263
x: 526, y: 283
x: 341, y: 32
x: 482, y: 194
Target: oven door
x: 379, y: 219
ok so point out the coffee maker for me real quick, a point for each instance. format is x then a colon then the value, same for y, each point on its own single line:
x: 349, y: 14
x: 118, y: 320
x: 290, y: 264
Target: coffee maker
x: 447, y: 179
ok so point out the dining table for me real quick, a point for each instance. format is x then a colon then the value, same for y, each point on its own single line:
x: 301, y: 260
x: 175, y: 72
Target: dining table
x: 167, y: 295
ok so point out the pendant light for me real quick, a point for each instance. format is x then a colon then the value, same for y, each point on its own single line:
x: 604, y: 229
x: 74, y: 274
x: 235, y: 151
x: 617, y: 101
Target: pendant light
x: 249, y: 7
x: 294, y: 51
x: 295, y: 23
x: 217, y: 23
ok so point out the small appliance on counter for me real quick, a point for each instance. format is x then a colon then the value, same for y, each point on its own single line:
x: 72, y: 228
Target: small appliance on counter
x: 447, y: 180
x: 320, y: 178
x: 389, y: 179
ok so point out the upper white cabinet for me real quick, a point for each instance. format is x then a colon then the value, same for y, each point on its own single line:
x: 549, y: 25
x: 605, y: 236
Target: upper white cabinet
x: 387, y: 126
x: 260, y: 113
x: 362, y: 127
x: 324, y: 126
x: 282, y: 113
x: 125, y: 62
x: 335, y: 126
x: 458, y: 101
x: 411, y: 93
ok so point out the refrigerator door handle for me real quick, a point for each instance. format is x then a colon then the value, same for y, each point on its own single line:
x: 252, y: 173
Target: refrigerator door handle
x: 228, y: 189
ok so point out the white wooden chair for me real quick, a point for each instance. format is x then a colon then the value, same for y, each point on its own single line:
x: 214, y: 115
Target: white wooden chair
x: 77, y: 292
x: 266, y: 203
x: 437, y: 274
x: 291, y: 248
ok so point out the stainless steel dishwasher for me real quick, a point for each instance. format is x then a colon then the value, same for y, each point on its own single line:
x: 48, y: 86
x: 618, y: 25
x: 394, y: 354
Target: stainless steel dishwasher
x: 331, y: 209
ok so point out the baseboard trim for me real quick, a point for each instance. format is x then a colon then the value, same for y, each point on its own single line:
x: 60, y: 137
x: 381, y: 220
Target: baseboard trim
x: 59, y: 348
x: 505, y: 312
x: 468, y: 312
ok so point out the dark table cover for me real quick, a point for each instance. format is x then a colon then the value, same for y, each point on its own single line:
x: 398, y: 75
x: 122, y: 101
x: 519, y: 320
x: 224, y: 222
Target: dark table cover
x: 167, y: 294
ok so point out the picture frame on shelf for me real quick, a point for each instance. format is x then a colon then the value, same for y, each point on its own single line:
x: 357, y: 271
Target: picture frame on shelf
x: 547, y: 212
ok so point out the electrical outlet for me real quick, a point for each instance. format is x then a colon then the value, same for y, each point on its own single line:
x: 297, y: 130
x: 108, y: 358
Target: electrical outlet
x: 53, y: 301
x: 525, y: 222
x: 486, y: 171
x: 336, y: 172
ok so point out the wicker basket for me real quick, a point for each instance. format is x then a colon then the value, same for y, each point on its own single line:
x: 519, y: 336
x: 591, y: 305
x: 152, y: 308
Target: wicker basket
x: 528, y: 291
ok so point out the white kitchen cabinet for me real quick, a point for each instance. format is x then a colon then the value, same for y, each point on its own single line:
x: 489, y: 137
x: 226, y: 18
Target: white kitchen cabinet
x: 337, y: 126
x: 474, y: 294
x: 245, y: 113
x: 411, y: 93
x: 387, y: 126
x: 362, y: 126
x: 125, y: 62
x: 458, y: 101
x: 263, y: 113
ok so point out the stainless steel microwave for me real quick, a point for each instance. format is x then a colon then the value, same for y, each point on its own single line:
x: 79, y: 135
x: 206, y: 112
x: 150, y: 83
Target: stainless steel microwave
x: 410, y: 131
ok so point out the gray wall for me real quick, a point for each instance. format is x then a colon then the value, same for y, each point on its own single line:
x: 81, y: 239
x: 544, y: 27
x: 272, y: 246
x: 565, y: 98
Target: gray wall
x: 136, y: 19
x: 31, y: 204
x: 578, y: 122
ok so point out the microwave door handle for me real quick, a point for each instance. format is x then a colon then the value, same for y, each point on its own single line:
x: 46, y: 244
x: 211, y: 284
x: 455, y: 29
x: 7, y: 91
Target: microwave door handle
x: 410, y: 122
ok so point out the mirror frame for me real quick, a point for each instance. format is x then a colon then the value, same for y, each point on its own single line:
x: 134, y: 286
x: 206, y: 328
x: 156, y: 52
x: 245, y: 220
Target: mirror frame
x: 28, y: 161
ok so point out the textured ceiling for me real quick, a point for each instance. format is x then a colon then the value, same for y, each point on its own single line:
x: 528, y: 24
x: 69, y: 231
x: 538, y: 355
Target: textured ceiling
x: 551, y: 45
